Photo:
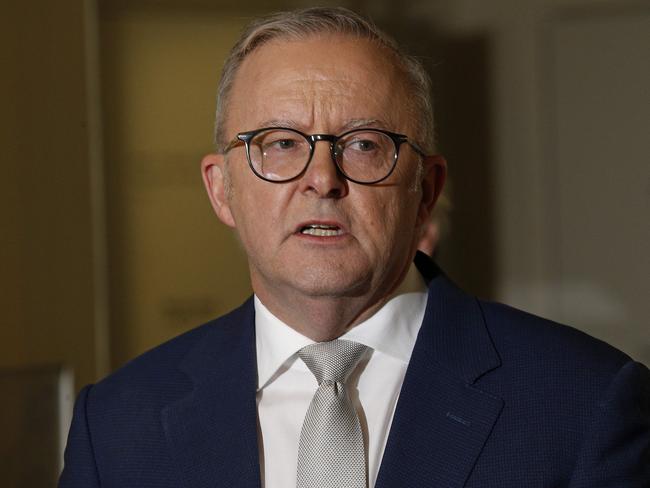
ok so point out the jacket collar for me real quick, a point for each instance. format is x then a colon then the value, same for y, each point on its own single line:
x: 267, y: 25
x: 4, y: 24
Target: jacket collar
x: 212, y: 430
x: 442, y: 420
x: 454, y: 333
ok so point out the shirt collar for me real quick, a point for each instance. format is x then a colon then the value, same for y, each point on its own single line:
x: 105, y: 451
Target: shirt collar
x: 275, y: 341
x: 392, y: 330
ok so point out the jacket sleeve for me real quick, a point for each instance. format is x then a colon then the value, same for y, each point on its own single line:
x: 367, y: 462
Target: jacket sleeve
x: 616, y: 450
x: 80, y: 469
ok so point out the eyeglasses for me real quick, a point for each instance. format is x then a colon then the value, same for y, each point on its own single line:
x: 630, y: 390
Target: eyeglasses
x: 279, y: 154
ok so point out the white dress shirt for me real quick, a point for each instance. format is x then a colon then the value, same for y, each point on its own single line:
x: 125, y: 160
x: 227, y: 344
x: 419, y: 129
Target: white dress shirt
x: 286, y: 386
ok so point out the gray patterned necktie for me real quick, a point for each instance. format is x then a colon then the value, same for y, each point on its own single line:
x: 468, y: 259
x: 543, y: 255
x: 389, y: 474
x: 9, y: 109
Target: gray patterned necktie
x: 331, y: 452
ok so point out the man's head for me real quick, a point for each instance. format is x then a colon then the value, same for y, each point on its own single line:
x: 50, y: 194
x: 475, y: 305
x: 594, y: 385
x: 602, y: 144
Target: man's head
x: 300, y: 24
x: 320, y: 238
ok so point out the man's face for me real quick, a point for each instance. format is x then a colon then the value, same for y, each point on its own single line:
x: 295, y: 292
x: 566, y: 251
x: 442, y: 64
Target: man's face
x: 324, y: 84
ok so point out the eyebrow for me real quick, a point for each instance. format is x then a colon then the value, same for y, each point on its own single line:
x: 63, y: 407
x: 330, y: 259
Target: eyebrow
x: 356, y: 123
x: 289, y: 124
x: 349, y: 125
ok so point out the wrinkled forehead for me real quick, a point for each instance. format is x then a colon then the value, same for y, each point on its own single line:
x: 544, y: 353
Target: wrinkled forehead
x: 328, y: 77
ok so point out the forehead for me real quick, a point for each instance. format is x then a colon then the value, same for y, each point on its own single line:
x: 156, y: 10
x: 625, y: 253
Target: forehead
x: 318, y: 83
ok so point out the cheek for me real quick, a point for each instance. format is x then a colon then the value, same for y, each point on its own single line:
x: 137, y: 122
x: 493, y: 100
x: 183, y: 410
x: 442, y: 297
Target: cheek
x: 382, y: 219
x: 242, y: 203
x: 400, y: 216
x: 259, y: 209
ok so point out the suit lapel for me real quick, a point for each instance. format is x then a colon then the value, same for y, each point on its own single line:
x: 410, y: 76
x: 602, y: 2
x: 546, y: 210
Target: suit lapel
x: 211, y: 431
x: 442, y: 421
x: 440, y: 425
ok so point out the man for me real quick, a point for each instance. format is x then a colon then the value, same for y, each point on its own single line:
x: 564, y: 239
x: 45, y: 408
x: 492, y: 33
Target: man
x: 350, y: 367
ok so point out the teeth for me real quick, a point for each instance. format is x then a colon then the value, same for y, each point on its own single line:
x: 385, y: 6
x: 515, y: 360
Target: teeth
x: 322, y: 230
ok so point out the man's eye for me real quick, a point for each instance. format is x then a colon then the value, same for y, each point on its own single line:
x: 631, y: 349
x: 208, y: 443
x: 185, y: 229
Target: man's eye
x: 286, y: 143
x: 282, y: 144
x: 363, y: 145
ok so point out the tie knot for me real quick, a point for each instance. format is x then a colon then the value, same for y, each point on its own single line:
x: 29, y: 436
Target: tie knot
x: 333, y: 360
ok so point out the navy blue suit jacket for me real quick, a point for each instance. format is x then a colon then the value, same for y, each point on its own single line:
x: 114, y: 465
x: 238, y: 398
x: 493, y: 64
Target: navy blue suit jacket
x: 493, y: 397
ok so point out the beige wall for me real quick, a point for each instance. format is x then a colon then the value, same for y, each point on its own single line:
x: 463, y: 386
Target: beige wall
x: 48, y: 278
x: 173, y: 266
x: 50, y: 257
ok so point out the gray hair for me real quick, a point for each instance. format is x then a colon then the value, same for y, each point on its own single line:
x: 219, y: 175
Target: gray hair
x: 298, y: 24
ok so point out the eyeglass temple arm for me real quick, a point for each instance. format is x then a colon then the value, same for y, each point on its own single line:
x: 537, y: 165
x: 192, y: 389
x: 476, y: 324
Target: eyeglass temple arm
x: 417, y: 148
x: 232, y: 144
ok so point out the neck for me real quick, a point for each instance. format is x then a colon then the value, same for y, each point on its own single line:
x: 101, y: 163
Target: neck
x: 325, y: 318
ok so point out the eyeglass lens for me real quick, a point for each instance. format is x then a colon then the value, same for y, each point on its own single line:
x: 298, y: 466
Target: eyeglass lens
x: 281, y: 154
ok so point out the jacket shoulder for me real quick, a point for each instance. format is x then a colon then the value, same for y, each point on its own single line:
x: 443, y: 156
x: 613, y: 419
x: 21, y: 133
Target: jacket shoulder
x: 158, y: 368
x: 522, y: 338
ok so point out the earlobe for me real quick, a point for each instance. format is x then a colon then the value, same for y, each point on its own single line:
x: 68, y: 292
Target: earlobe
x: 214, y: 178
x: 433, y: 181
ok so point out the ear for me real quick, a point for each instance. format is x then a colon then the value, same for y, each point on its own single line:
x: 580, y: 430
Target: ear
x: 212, y: 170
x: 433, y: 180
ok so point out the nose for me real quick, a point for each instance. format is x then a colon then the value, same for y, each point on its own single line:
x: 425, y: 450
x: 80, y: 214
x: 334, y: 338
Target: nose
x: 322, y: 177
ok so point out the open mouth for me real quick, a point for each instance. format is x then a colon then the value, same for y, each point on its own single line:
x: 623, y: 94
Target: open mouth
x: 320, y: 230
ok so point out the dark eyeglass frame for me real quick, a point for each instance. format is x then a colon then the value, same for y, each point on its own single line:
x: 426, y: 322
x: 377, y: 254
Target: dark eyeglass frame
x: 398, y: 140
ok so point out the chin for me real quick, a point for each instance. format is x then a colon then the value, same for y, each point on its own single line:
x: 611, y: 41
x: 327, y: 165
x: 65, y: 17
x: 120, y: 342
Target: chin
x: 329, y: 282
